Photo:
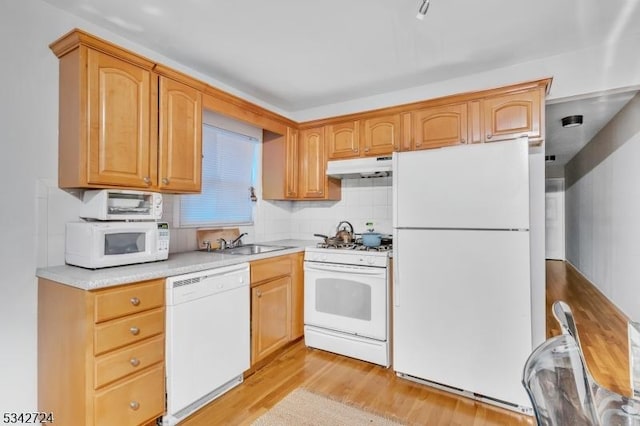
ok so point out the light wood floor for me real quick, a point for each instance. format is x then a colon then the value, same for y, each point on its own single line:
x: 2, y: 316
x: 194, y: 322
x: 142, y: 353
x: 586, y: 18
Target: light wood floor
x: 602, y: 330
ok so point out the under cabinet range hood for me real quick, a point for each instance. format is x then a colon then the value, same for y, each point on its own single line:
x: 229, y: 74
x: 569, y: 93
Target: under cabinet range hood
x: 367, y: 167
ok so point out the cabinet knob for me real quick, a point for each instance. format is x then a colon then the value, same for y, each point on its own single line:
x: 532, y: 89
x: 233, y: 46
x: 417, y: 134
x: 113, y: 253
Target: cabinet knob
x: 134, y: 330
x: 355, y: 150
x: 134, y: 362
x: 418, y: 144
x: 462, y: 141
x: 366, y: 150
x: 147, y: 180
x: 259, y: 293
x: 165, y: 181
x: 134, y: 405
x: 489, y: 135
x: 135, y: 301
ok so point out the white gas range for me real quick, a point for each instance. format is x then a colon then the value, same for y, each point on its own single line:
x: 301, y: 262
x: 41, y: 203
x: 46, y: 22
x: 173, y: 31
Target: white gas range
x: 346, y: 306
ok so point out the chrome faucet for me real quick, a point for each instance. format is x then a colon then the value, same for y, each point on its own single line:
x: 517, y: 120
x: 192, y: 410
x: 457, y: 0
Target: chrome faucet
x: 236, y: 242
x: 223, y: 243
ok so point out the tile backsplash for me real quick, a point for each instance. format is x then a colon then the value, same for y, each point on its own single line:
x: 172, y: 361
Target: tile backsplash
x: 363, y: 200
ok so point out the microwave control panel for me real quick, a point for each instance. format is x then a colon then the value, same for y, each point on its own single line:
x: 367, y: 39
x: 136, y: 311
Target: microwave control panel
x: 163, y: 236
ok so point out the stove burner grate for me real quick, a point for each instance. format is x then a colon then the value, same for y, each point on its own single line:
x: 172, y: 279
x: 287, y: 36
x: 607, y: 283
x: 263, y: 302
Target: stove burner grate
x: 354, y: 246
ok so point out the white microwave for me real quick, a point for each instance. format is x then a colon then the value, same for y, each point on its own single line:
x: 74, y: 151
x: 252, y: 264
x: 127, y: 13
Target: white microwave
x: 121, y: 204
x: 102, y: 244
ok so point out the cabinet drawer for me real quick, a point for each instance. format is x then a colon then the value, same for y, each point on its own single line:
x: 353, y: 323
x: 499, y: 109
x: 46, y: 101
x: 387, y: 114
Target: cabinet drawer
x: 131, y: 329
x: 134, y: 358
x: 126, y: 300
x: 266, y: 269
x: 131, y: 402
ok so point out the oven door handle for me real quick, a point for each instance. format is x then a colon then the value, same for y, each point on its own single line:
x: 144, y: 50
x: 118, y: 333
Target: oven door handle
x: 347, y: 269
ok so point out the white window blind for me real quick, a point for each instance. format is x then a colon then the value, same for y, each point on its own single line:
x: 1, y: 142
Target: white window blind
x: 228, y: 172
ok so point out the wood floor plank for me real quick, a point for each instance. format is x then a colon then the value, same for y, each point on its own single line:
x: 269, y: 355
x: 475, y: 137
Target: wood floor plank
x: 602, y: 330
x: 601, y: 326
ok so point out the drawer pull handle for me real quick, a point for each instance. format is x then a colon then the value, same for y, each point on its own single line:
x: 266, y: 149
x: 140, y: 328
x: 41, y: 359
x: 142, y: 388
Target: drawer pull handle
x: 147, y: 180
x: 134, y: 362
x: 489, y: 135
x: 135, y: 301
x: 134, y: 330
x: 134, y: 405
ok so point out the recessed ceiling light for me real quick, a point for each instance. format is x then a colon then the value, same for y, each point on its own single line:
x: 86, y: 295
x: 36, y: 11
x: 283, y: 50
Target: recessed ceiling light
x: 572, y: 121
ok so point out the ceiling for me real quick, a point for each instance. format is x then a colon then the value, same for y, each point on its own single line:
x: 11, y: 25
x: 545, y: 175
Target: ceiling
x: 597, y: 111
x: 297, y: 54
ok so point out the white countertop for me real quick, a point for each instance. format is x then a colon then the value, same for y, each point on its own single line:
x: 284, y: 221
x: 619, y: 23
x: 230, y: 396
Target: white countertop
x: 177, y: 264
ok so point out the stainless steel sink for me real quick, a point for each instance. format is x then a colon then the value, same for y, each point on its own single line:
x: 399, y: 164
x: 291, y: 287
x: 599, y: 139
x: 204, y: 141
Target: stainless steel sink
x: 249, y: 249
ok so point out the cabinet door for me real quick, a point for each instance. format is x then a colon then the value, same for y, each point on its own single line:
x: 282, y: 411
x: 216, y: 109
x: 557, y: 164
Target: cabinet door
x: 343, y: 140
x: 312, y: 163
x: 180, y: 150
x: 440, y: 126
x: 514, y: 115
x: 381, y: 135
x: 270, y: 317
x: 297, y: 296
x: 291, y: 163
x: 119, y: 103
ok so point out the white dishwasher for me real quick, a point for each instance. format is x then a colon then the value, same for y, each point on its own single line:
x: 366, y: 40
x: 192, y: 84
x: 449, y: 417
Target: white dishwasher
x: 207, y: 337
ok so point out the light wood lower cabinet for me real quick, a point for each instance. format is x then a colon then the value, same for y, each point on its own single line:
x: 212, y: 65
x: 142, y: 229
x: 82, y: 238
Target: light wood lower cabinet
x: 297, y: 295
x: 101, y: 353
x: 276, y: 304
x: 270, y: 316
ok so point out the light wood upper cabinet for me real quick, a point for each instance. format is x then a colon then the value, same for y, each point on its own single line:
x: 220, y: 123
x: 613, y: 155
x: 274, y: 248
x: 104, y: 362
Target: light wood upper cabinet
x: 312, y: 163
x: 343, y: 140
x: 292, y: 178
x: 114, y: 131
x: 363, y: 138
x: 294, y: 166
x: 180, y: 148
x: 513, y: 115
x: 440, y: 126
x: 381, y: 135
x: 118, y: 121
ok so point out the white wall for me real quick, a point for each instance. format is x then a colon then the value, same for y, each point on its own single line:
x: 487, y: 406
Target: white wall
x: 602, y: 204
x: 33, y: 210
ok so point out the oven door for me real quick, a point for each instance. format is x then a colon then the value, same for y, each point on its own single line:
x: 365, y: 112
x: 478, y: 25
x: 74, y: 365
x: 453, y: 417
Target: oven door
x: 347, y: 298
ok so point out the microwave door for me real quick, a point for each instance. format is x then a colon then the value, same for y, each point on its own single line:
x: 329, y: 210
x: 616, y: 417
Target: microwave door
x: 125, y: 243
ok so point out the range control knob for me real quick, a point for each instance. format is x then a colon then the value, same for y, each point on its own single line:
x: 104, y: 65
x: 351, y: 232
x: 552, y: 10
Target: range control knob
x: 370, y: 260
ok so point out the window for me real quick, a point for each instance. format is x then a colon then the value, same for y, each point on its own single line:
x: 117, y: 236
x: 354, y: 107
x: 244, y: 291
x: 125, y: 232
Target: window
x: 229, y: 167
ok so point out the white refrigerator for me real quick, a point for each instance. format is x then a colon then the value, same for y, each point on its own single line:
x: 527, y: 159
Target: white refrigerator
x: 462, y: 285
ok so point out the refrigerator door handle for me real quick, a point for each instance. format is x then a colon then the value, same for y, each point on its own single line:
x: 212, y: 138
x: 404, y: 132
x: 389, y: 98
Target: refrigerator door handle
x: 395, y: 293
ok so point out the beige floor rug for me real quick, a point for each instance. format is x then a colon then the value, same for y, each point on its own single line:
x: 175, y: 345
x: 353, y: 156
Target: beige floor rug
x: 302, y: 407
